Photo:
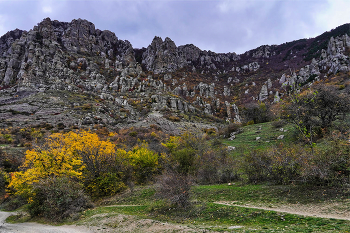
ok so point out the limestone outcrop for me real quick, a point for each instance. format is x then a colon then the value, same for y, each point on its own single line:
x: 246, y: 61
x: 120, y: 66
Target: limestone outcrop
x: 164, y: 56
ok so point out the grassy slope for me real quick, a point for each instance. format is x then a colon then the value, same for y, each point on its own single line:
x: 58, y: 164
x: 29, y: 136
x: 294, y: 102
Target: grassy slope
x: 207, y: 215
x: 268, y: 136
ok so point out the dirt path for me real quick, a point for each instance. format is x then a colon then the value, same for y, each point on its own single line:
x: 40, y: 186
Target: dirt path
x: 101, y: 223
x: 31, y: 227
x: 314, y: 210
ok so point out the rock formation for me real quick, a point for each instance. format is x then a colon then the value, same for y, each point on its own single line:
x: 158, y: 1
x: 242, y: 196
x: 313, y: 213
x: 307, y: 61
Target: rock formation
x: 59, y: 61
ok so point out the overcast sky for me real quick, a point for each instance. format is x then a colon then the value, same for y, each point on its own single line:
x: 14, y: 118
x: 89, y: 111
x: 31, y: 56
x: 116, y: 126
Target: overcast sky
x: 216, y: 25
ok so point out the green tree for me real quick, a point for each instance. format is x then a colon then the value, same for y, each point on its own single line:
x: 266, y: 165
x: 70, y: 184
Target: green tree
x: 315, y: 110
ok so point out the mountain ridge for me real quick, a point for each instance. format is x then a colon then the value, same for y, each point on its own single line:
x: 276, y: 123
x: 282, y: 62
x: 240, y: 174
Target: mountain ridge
x: 129, y: 84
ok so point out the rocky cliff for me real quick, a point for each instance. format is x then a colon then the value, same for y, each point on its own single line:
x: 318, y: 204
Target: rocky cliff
x: 77, y: 74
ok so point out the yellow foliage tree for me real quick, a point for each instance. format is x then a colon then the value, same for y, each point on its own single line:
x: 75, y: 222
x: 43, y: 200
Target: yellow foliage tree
x: 143, y: 161
x: 184, y: 151
x: 98, y: 156
x: 68, y: 155
x: 86, y: 158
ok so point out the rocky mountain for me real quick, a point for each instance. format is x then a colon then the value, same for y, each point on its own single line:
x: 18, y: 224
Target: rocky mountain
x: 73, y: 74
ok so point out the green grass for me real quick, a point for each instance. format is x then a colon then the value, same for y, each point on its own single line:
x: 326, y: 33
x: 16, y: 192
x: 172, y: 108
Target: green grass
x: 204, y: 214
x: 217, y: 217
x: 140, y: 196
x: 269, y: 194
x: 268, y: 134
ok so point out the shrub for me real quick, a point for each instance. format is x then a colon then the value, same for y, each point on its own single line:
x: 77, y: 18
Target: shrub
x: 133, y: 134
x: 87, y: 106
x: 9, y: 162
x: 206, y: 162
x: 255, y: 166
x: 208, y: 166
x: 81, y: 156
x: 186, y: 158
x: 106, y: 184
x: 215, y: 166
x: 57, y: 199
x: 210, y: 131
x: 174, y: 118
x: 314, y: 111
x: 279, y: 123
x: 227, y: 130
x: 256, y: 112
x: 144, y: 163
x: 280, y: 165
x: 184, y: 152
x: 12, y: 203
x: 7, y: 138
x: 287, y: 164
x: 4, y: 181
x: 175, y: 188
x: 60, y: 126
x: 330, y: 166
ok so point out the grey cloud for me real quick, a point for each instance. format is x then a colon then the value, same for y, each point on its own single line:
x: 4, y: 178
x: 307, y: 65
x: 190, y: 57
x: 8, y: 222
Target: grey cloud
x: 220, y: 26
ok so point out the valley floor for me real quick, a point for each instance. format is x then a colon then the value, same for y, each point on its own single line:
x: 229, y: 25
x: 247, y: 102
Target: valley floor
x: 330, y: 210
x: 129, y: 223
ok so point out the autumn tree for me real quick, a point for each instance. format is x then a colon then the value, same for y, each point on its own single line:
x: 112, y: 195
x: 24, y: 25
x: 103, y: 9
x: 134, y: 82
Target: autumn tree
x: 257, y: 112
x: 56, y: 158
x: 82, y: 156
x: 314, y: 111
x: 144, y: 162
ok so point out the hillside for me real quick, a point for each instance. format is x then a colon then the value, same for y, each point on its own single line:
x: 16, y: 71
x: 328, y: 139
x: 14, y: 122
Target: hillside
x: 77, y: 75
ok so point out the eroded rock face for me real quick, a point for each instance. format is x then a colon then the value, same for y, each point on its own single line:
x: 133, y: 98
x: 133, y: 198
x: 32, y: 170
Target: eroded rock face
x: 263, y: 93
x: 55, y: 53
x: 78, y: 58
x: 263, y: 52
x: 163, y: 56
x: 334, y: 59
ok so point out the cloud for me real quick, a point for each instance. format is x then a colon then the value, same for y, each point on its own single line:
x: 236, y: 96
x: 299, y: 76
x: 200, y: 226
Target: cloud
x: 227, y: 6
x: 335, y: 13
x: 220, y: 25
x: 2, y: 25
x: 47, y: 9
x: 46, y: 6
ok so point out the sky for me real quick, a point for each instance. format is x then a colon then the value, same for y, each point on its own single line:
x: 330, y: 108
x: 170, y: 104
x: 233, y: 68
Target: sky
x: 221, y: 26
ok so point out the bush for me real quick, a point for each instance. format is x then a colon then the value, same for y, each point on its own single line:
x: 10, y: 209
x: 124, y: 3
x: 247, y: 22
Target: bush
x: 4, y: 181
x: 105, y: 185
x: 256, y: 166
x: 279, y: 123
x: 175, y: 188
x: 207, y: 162
x: 288, y: 164
x: 57, y: 199
x: 330, y: 166
x: 257, y: 113
x: 280, y: 165
x: 186, y: 158
x: 174, y: 118
x: 12, y: 203
x: 144, y: 163
x: 208, y: 166
x: 227, y: 130
x: 314, y: 111
x: 215, y: 166
x: 185, y: 151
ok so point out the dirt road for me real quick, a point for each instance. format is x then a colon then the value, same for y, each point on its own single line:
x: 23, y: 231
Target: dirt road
x: 320, y: 211
x: 36, y: 227
x: 98, y: 223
